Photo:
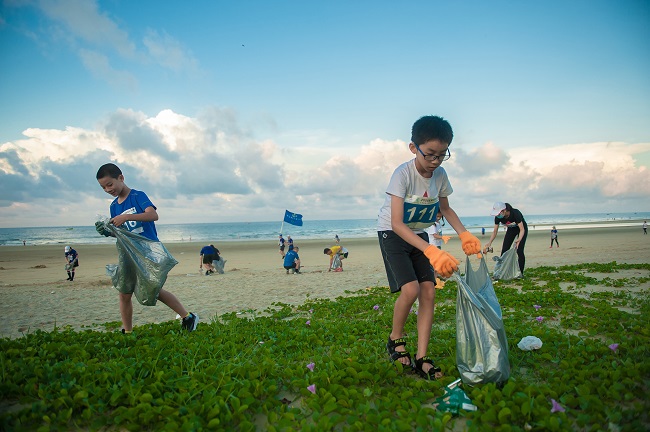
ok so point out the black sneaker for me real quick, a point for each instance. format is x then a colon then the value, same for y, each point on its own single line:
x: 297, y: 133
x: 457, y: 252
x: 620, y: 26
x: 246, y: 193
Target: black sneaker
x: 190, y: 322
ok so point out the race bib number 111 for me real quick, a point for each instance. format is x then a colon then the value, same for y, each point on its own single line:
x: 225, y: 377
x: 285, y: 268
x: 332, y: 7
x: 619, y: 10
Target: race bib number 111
x: 420, y: 212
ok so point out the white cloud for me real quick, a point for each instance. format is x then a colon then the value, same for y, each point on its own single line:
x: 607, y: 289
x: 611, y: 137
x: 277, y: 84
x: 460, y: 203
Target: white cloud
x: 84, y: 21
x: 169, y: 52
x: 212, y: 168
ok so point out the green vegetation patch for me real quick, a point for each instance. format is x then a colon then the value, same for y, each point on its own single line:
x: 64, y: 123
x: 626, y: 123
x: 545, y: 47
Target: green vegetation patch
x: 323, y: 366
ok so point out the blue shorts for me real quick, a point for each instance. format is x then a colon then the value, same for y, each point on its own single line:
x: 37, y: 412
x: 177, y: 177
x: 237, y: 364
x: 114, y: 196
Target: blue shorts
x: 404, y: 263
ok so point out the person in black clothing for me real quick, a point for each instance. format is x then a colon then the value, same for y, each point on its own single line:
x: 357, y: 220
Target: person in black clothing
x: 516, y: 228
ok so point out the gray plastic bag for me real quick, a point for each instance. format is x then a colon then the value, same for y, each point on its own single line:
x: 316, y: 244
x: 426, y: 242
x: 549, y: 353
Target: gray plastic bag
x: 142, y: 266
x: 507, y: 265
x: 219, y: 264
x: 481, y: 343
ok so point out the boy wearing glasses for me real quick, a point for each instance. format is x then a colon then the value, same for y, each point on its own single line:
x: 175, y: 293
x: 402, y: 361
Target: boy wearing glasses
x: 417, y: 191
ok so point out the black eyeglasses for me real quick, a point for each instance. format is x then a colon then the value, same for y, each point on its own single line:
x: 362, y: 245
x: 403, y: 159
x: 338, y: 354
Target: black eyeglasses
x: 433, y: 158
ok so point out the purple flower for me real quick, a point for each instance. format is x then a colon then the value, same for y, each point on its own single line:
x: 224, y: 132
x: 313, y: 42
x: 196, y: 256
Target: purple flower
x: 308, y: 322
x: 312, y: 388
x: 537, y: 307
x: 376, y: 307
x: 613, y: 347
x: 556, y: 406
x: 311, y: 311
x: 310, y: 366
x: 540, y: 318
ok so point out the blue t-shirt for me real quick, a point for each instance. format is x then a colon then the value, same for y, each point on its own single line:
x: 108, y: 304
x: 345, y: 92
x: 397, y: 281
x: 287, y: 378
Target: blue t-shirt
x: 71, y: 255
x: 290, y: 257
x: 136, y: 203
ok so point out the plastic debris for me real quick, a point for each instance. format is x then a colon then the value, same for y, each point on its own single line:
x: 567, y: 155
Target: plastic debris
x: 454, y: 400
x: 530, y: 343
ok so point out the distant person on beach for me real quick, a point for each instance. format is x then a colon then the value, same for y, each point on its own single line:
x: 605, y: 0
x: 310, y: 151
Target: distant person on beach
x: 281, y: 244
x: 71, y: 262
x: 290, y: 242
x: 337, y: 254
x: 206, y: 256
x: 435, y: 232
x: 516, y: 228
x: 554, y: 237
x: 292, y: 261
x: 483, y: 231
x: 645, y: 227
x: 24, y: 242
x: 417, y: 191
x: 217, y: 260
x: 337, y: 239
x: 133, y: 210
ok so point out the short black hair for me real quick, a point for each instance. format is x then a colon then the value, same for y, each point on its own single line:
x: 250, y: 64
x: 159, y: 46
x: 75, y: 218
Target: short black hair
x: 430, y: 128
x: 109, y: 169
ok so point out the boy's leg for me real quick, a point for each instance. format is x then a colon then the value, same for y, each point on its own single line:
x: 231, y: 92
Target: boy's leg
x: 172, y: 302
x: 126, y: 311
x: 401, y: 310
x: 426, y: 307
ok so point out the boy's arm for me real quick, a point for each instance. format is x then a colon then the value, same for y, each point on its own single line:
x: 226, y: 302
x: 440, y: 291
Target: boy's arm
x: 470, y: 244
x: 150, y: 215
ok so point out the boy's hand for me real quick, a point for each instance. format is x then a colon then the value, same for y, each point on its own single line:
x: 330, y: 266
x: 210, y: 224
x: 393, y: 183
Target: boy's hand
x: 100, y: 228
x: 471, y: 245
x: 119, y: 220
x: 442, y: 262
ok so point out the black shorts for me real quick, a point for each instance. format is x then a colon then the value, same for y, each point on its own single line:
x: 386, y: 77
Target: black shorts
x: 290, y: 267
x: 207, y: 259
x: 282, y: 248
x: 404, y: 263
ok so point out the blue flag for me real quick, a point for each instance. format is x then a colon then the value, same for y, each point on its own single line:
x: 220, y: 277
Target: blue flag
x: 292, y: 218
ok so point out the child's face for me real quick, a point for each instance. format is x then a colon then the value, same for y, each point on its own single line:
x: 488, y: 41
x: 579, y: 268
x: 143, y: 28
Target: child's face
x: 112, y: 186
x: 429, y: 148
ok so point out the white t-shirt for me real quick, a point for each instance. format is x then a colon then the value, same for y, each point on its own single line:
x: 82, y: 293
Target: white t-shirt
x: 420, y: 196
x: 436, y: 228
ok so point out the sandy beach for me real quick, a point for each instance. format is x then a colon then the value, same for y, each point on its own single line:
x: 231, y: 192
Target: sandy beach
x: 34, y: 293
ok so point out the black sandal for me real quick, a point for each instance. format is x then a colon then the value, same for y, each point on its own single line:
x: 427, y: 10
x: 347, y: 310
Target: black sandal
x: 397, y: 355
x: 431, y: 373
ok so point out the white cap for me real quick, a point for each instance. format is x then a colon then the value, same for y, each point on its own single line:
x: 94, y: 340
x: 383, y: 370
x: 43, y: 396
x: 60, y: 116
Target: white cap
x: 67, y: 248
x: 497, y: 208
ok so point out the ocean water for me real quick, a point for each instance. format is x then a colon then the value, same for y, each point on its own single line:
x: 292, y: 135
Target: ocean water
x: 312, y: 229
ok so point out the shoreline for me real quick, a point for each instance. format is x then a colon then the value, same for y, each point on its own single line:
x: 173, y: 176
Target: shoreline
x: 34, y: 293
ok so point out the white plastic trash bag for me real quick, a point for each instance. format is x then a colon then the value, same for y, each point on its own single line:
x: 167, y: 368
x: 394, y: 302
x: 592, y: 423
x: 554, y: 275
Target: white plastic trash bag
x: 336, y: 262
x: 530, y: 343
x: 142, y: 266
x: 481, y: 343
x: 507, y: 265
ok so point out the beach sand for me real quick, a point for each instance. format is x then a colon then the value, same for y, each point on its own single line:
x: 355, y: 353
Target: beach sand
x: 34, y: 293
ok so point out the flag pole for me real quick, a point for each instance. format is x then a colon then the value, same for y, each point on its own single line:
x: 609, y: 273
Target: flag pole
x: 281, y: 227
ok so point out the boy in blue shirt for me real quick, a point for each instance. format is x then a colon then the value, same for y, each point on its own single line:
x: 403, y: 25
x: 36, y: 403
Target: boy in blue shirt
x: 133, y: 211
x: 292, y: 261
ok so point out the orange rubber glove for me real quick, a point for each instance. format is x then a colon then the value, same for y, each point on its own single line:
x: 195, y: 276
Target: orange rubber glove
x: 471, y: 245
x: 442, y: 262
x: 445, y: 239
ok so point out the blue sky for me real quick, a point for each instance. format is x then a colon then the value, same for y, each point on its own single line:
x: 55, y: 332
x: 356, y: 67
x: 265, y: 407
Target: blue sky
x: 234, y: 111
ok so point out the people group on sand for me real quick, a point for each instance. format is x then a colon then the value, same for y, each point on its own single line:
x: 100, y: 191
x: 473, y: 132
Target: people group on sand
x: 516, y: 230
x: 133, y: 210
